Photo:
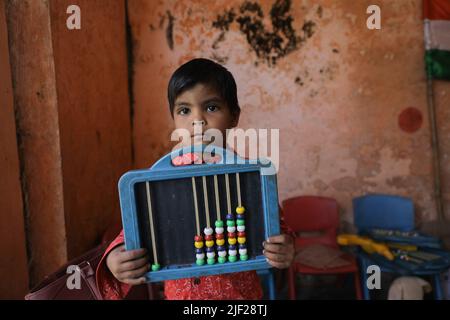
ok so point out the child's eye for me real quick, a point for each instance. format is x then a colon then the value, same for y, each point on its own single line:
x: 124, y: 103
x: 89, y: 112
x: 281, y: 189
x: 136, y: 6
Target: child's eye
x: 184, y: 111
x: 212, y: 108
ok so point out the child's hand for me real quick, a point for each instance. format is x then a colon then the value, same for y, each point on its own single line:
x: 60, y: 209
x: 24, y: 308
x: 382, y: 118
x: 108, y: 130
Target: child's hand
x: 128, y: 266
x: 279, y: 251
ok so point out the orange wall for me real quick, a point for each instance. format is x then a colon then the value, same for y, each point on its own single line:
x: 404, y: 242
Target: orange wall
x: 73, y: 122
x: 13, y: 264
x: 94, y: 116
x: 337, y: 98
x: 35, y: 103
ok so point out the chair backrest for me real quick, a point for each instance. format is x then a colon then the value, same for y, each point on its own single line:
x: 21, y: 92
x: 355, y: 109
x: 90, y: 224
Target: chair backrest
x: 305, y: 214
x: 380, y: 211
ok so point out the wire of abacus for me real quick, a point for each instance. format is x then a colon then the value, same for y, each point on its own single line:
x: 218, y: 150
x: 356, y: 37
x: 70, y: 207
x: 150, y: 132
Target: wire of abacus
x: 240, y: 222
x: 155, y: 265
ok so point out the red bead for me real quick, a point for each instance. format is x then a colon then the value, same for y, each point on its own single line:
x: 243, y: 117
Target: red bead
x: 231, y: 235
x: 219, y: 236
x: 241, y: 234
x: 208, y: 238
x: 198, y: 238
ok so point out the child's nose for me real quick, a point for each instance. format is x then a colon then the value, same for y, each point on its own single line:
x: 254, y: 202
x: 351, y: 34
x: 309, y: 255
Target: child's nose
x: 198, y: 123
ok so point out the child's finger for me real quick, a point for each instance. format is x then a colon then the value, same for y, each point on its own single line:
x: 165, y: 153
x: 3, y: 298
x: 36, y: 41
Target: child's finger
x: 136, y: 273
x: 281, y: 239
x: 133, y: 265
x: 275, y: 248
x: 134, y: 282
x: 132, y: 254
x: 278, y: 265
x: 275, y: 256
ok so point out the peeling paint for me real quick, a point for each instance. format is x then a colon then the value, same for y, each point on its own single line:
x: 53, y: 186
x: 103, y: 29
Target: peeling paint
x: 269, y: 46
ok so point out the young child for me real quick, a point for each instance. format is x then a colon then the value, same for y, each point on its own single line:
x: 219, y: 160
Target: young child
x: 200, y: 91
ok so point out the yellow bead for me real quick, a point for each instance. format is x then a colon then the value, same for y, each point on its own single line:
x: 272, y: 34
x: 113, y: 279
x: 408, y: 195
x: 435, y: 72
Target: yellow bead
x: 232, y: 240
x: 198, y: 244
x: 241, y: 240
x: 209, y: 243
x: 240, y: 210
x: 220, y: 242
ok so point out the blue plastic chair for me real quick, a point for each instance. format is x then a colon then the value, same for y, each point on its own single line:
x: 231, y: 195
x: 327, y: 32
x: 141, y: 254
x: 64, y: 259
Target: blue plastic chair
x: 378, y: 211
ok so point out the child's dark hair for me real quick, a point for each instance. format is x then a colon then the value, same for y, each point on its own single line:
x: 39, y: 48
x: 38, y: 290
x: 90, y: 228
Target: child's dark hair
x: 208, y: 72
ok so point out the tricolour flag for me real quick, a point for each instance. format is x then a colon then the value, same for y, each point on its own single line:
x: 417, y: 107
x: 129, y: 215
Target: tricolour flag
x: 437, y: 38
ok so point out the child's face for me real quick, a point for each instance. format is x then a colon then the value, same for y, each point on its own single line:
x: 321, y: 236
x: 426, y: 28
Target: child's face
x: 202, y: 103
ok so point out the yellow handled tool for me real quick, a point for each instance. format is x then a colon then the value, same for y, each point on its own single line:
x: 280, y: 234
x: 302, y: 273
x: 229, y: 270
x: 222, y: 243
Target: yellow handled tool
x: 366, y: 243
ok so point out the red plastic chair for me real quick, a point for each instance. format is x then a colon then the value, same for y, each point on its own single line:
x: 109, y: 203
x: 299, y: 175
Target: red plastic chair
x: 319, y: 215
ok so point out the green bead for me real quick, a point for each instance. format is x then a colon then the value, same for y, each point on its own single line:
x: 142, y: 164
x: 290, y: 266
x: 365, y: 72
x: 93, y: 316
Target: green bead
x: 230, y: 223
x: 155, y: 267
x: 219, y: 223
x: 243, y: 257
x: 240, y: 222
x: 200, y: 262
x: 222, y: 259
x: 232, y: 258
x: 211, y: 260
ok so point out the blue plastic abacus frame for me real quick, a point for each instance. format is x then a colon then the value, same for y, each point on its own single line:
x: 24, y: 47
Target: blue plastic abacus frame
x: 163, y: 169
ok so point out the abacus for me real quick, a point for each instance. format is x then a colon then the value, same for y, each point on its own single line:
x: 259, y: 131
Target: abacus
x: 171, y: 210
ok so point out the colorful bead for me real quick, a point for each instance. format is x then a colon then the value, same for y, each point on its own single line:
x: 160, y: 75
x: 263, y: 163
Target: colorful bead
x: 222, y: 259
x: 231, y: 240
x: 199, y: 256
x: 210, y: 254
x: 232, y: 252
x: 232, y: 247
x: 222, y: 253
x: 241, y: 239
x: 232, y: 258
x: 209, y: 243
x: 221, y: 248
x: 242, y: 246
x: 200, y: 262
x: 210, y: 249
x: 220, y: 242
x: 242, y: 251
x: 198, y: 238
x: 198, y: 244
x: 219, y: 236
x: 240, y: 217
x: 243, y: 257
x: 198, y: 250
x: 231, y: 223
x: 209, y: 237
x: 240, y: 222
x: 240, y: 228
x: 240, y: 210
x: 211, y: 261
x: 155, y: 267
x: 219, y: 230
x: 208, y: 231
x: 231, y: 229
x: 232, y: 235
x: 241, y: 234
x: 219, y: 223
x: 230, y: 216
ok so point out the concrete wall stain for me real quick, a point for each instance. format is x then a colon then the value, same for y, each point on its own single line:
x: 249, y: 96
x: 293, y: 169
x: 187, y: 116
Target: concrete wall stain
x: 169, y: 29
x: 269, y: 46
